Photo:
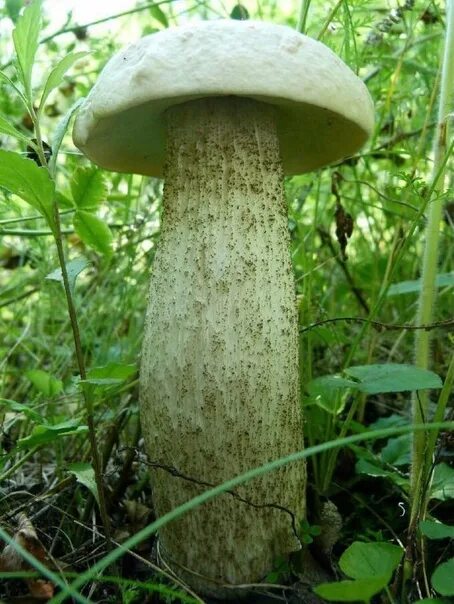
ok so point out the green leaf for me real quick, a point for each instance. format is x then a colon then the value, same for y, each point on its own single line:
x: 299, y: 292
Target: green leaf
x: 26, y: 42
x: 442, y: 487
x: 20, y: 94
x: 366, y: 560
x: 85, y: 475
x: 93, y: 232
x: 32, y: 183
x: 327, y: 392
x: 10, y: 130
x: 56, y: 75
x: 372, y: 468
x: 73, y: 268
x: 410, y: 287
x: 60, y: 132
x: 393, y: 377
x: 88, y: 188
x: 239, y: 13
x: 44, y: 434
x: 159, y: 15
x: 21, y: 408
x: 360, y: 590
x: 397, y: 451
x: 434, y: 601
x: 113, y: 373
x: 44, y: 382
x: 13, y: 8
x: 436, y: 530
x: 443, y: 578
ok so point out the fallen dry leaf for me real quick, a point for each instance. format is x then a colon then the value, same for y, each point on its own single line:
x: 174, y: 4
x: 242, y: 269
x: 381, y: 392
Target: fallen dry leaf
x: 11, y: 560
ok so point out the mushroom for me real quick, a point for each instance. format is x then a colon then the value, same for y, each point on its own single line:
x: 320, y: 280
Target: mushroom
x: 222, y: 110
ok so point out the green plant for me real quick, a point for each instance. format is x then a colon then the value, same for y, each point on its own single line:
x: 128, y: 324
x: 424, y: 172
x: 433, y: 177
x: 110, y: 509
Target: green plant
x: 34, y: 181
x: 442, y: 148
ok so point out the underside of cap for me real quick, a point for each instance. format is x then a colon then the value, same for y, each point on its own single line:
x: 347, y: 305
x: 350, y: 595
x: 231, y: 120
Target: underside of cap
x: 324, y: 112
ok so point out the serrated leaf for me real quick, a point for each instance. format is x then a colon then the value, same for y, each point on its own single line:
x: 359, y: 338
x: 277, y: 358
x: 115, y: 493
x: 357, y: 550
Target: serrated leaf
x: 442, y: 579
x: 44, y: 382
x: 88, y: 188
x: 32, y: 183
x: 393, y: 377
x: 239, y: 12
x: 10, y: 130
x: 360, y: 590
x: 56, y: 75
x: 85, y: 475
x: 44, y: 434
x: 436, y: 530
x: 93, y: 232
x: 21, y: 408
x: 369, y: 560
x: 442, y: 487
x: 159, y: 15
x: 60, y: 132
x: 26, y: 42
x: 73, y: 268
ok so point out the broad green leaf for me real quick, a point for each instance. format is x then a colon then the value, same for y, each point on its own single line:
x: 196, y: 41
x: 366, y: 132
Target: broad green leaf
x: 88, y: 188
x: 27, y: 180
x: 410, y: 287
x: 113, y: 373
x: 159, y: 15
x: 60, y: 132
x: 44, y: 382
x: 366, y: 560
x: 391, y: 421
x: 442, y: 487
x: 239, y: 13
x: 85, y: 475
x: 73, y: 268
x: 44, y: 434
x: 328, y: 392
x: 13, y: 9
x: 360, y: 590
x: 443, y: 578
x: 56, y: 75
x: 393, y: 377
x: 26, y: 41
x: 436, y: 530
x: 21, y: 408
x: 93, y: 232
x: 10, y: 130
x: 397, y: 451
x: 371, y: 468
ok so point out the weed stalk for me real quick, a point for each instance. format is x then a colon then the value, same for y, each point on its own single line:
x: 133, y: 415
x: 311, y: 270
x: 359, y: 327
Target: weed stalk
x: 423, y: 448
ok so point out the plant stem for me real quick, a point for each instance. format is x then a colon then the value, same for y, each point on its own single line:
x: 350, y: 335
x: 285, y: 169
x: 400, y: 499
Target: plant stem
x: 302, y: 17
x: 420, y: 403
x: 18, y: 464
x: 86, y: 393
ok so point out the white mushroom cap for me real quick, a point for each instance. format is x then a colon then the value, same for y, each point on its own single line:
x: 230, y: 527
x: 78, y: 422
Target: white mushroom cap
x: 325, y: 112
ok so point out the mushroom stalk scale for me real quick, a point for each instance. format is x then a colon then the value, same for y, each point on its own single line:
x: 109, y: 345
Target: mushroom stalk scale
x: 223, y: 109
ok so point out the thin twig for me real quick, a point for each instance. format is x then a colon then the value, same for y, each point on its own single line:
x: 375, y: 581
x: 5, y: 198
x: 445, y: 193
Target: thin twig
x: 381, y: 326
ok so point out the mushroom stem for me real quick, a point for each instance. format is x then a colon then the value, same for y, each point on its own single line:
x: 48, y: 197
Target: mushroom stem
x: 219, y: 377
